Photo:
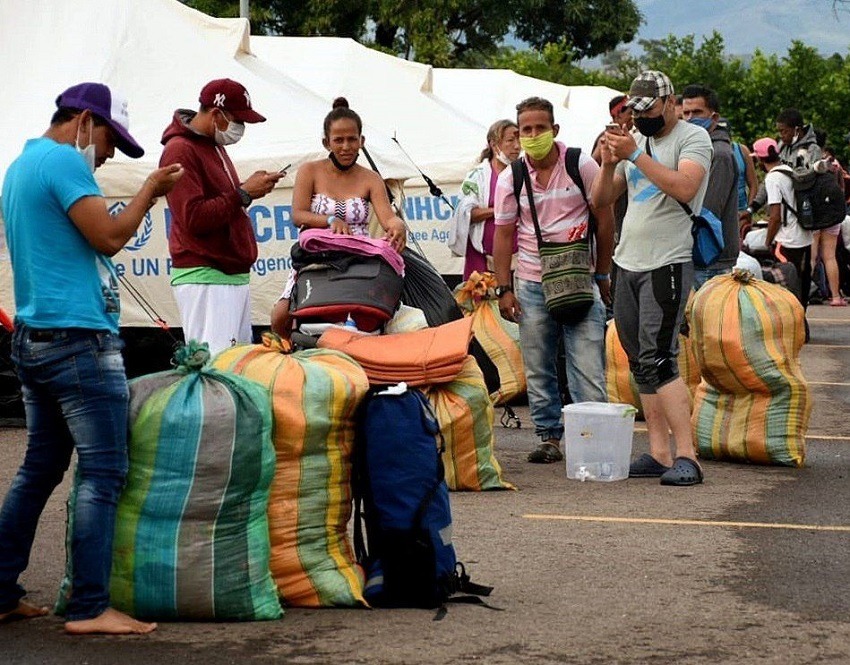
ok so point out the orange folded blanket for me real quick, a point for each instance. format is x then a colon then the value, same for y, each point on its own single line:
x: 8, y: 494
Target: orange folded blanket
x: 424, y: 357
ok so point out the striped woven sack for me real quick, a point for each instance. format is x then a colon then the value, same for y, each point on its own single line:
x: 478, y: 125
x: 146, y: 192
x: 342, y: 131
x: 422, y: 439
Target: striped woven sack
x: 191, y: 534
x: 754, y: 403
x: 499, y: 337
x: 465, y: 414
x: 314, y: 397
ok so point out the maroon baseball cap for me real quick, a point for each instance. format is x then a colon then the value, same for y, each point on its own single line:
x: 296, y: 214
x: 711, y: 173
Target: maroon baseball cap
x: 107, y: 105
x: 232, y: 97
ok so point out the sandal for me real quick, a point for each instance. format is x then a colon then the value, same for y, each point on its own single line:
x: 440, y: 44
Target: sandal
x: 837, y: 302
x: 545, y: 453
x: 684, y: 471
x: 646, y: 466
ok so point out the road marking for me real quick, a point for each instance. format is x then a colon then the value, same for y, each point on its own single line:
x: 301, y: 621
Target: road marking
x: 827, y: 346
x: 818, y: 437
x: 827, y: 383
x: 647, y: 520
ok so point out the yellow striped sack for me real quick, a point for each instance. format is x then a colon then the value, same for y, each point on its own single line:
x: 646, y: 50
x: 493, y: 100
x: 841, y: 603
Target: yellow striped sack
x: 753, y: 404
x: 314, y: 396
x: 465, y: 415
x: 500, y: 338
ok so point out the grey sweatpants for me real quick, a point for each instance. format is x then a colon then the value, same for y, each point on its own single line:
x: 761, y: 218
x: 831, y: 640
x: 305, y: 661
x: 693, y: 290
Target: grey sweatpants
x: 648, y: 310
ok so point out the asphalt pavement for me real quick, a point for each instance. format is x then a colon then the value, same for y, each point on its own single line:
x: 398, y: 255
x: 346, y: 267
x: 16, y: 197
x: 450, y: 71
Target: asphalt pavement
x: 753, y: 566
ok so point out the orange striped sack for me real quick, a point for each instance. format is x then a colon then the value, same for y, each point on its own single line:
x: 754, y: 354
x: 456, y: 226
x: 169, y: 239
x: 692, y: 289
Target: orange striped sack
x: 314, y: 397
x: 498, y: 337
x: 465, y: 415
x: 753, y: 404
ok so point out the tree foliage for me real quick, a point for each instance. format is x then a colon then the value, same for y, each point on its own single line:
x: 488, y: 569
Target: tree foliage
x: 446, y: 33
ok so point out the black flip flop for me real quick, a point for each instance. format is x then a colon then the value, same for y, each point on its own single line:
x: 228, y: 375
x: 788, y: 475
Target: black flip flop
x: 684, y: 472
x: 646, y: 466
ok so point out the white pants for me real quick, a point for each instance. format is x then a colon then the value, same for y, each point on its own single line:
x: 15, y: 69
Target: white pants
x: 218, y: 314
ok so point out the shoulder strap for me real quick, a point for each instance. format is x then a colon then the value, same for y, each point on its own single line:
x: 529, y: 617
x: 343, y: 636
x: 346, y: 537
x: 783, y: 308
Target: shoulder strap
x: 526, y: 179
x: 571, y: 162
x: 517, y: 169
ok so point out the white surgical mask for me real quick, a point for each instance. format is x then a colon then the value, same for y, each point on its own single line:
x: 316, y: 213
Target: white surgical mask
x: 503, y: 158
x: 231, y: 135
x: 89, y: 152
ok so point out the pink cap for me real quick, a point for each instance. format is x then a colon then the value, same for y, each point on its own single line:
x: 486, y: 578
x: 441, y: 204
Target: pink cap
x: 762, y: 147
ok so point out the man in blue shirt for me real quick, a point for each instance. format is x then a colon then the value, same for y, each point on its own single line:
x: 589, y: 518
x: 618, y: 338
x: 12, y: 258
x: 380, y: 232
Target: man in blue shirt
x: 66, y: 347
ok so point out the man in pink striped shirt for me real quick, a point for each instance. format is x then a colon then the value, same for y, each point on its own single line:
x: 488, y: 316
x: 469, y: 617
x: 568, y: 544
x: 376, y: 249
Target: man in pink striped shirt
x: 563, y: 214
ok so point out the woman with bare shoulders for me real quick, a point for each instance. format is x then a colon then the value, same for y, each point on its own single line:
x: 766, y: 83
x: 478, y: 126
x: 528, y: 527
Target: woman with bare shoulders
x: 337, y: 193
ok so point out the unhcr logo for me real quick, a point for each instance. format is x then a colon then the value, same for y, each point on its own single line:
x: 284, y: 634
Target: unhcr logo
x: 143, y: 233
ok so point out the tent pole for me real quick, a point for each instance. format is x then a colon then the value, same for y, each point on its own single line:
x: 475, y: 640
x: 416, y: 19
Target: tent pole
x: 244, y: 12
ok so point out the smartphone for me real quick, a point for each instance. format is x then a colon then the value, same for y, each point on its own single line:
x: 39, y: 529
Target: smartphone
x: 614, y: 128
x: 285, y: 168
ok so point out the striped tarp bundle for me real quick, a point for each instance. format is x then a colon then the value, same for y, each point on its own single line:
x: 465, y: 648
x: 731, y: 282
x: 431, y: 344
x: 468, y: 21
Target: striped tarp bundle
x: 465, y: 414
x: 315, y: 395
x: 753, y: 403
x: 191, y: 536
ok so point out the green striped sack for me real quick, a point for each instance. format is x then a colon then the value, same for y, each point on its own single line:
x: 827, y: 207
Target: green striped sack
x: 753, y: 404
x: 566, y: 279
x: 192, y: 535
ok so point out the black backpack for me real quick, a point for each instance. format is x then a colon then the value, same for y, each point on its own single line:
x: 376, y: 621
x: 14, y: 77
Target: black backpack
x: 401, y: 498
x: 818, y: 199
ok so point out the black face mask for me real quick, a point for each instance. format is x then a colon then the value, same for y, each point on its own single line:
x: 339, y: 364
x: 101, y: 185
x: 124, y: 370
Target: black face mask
x: 342, y: 167
x: 650, y: 126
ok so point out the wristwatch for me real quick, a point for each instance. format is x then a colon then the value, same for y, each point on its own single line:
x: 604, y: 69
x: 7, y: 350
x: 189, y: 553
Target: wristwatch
x: 502, y: 289
x: 331, y: 220
x: 245, y: 197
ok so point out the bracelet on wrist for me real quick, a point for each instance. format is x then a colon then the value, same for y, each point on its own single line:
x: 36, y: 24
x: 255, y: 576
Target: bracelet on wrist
x: 637, y: 153
x: 601, y: 276
x: 331, y: 219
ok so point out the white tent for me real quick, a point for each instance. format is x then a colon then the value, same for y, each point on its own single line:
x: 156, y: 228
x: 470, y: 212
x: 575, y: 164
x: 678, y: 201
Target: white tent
x: 159, y: 53
x: 490, y: 94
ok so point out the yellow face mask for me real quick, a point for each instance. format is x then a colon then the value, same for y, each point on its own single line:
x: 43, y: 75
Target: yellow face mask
x: 537, y: 147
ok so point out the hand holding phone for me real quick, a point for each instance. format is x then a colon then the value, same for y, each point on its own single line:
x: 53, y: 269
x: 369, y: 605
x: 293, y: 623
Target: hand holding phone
x: 614, y: 128
x: 285, y: 168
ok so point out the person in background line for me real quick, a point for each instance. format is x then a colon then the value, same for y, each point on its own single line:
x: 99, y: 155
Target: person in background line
x: 790, y: 242
x: 472, y: 226
x: 336, y: 193
x: 620, y: 115
x: 748, y: 182
x: 563, y: 215
x: 680, y: 114
x: 212, y: 242
x: 798, y: 148
x: 825, y: 242
x: 701, y: 108
x: 66, y: 347
x: 654, y: 263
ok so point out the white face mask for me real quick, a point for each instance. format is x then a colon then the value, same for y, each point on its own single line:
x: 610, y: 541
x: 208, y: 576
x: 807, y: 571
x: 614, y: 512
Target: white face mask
x: 502, y: 157
x: 89, y: 152
x: 231, y: 135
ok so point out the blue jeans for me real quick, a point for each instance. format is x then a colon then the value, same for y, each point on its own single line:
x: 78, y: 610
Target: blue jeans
x: 76, y: 396
x: 702, y: 275
x: 584, y: 347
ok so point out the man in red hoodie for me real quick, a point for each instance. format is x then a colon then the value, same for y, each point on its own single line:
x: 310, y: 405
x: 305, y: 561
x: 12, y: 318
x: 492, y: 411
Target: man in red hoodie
x: 212, y: 242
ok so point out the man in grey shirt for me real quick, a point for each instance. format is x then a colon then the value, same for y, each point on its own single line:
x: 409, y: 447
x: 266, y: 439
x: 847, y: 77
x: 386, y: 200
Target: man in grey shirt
x: 701, y: 108
x: 667, y: 165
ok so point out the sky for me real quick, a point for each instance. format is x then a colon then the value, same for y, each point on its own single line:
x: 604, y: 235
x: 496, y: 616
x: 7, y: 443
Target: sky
x: 750, y: 24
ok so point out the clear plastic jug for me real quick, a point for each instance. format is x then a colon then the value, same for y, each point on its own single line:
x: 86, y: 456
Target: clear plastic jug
x: 598, y: 440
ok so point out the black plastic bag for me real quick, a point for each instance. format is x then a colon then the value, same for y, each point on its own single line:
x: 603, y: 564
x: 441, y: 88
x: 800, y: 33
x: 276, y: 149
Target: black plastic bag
x: 425, y: 289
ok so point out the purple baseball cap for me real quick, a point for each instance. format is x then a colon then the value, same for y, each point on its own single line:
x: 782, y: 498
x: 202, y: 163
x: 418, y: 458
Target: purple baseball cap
x: 107, y: 105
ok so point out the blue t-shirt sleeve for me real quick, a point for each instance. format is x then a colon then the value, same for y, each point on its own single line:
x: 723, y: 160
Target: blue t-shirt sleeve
x: 68, y: 176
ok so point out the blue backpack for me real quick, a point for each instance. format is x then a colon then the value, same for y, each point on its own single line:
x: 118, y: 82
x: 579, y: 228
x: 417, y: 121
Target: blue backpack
x: 400, y: 494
